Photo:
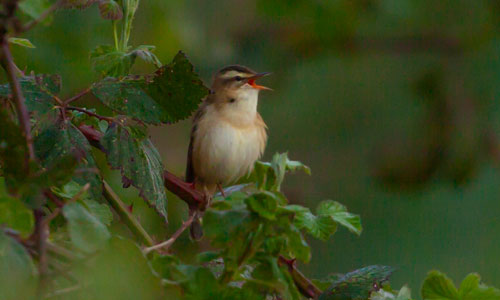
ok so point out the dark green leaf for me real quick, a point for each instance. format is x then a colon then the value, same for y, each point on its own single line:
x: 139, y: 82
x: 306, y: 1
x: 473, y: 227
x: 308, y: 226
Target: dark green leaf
x: 62, y: 138
x: 358, y: 284
x: 264, y: 204
x: 100, y: 211
x: 17, y: 271
x: 86, y: 231
x: 38, y: 91
x: 12, y: 151
x: 14, y: 214
x: 340, y: 215
x: 297, y: 245
x: 170, y: 95
x: 438, y: 286
x: 21, y: 42
x: 139, y: 162
x: 224, y: 226
x: 34, y: 8
x: 110, y: 10
x: 108, y: 61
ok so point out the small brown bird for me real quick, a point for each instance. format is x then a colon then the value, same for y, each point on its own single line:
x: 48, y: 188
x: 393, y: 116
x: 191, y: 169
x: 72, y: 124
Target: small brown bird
x: 228, y: 134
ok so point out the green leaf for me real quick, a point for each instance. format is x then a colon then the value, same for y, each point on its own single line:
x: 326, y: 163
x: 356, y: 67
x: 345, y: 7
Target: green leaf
x: 86, y: 231
x: 139, y: 162
x: 264, y: 204
x: 145, y: 52
x: 438, y: 286
x: 321, y: 227
x: 297, y: 245
x: 119, y: 271
x: 38, y: 91
x: 223, y: 226
x: 358, y: 284
x: 110, y: 10
x: 17, y: 271
x: 100, y: 211
x: 108, y: 61
x: 62, y: 138
x: 21, y: 42
x: 14, y: 214
x: 471, y: 288
x: 404, y: 294
x: 340, y: 215
x: 169, y: 95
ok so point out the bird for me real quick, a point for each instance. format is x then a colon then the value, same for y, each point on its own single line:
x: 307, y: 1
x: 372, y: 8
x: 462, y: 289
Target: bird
x: 227, y: 136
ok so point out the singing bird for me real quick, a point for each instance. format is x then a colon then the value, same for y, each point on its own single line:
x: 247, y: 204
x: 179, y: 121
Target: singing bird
x: 228, y: 134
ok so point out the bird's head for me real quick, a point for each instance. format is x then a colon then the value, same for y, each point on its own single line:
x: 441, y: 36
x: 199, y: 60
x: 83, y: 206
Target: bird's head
x: 237, y: 83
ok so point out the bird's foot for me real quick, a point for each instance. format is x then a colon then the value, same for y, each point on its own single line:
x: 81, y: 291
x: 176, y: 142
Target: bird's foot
x: 221, y: 190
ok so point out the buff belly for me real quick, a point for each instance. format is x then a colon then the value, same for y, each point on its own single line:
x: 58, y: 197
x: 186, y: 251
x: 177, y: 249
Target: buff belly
x: 223, y: 153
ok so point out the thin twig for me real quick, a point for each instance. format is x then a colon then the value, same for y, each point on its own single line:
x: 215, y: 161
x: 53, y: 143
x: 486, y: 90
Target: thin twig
x: 125, y: 215
x: 41, y: 233
x: 42, y: 16
x: 88, y: 112
x: 22, y: 113
x: 166, y: 244
x: 77, y: 96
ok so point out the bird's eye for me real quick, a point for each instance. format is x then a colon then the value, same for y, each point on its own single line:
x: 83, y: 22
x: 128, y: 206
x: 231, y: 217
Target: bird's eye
x: 238, y: 78
x: 232, y: 100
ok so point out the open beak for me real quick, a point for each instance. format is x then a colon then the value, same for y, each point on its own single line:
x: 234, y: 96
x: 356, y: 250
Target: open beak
x: 251, y: 81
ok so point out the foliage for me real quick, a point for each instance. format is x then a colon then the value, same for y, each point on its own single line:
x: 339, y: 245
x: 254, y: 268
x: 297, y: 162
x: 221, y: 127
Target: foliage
x: 255, y: 234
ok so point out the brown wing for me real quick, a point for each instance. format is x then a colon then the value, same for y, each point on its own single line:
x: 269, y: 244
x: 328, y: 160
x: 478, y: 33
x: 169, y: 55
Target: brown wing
x: 190, y: 175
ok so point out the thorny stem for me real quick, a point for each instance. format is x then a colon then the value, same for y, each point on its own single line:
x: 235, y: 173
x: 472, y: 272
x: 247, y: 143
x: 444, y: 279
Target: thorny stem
x: 126, y: 216
x: 88, y: 112
x: 166, y: 244
x: 42, y: 16
x: 306, y: 287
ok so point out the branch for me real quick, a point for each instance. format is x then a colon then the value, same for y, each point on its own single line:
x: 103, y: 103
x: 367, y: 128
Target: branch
x: 305, y: 286
x: 125, y: 215
x: 166, y: 244
x: 185, y: 191
x: 22, y: 113
x: 77, y: 96
x: 92, y: 114
x: 42, y: 16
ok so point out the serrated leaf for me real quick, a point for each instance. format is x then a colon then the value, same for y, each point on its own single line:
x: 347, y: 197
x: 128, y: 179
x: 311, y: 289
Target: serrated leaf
x: 17, y: 271
x: 14, y: 214
x: 108, y: 61
x: 264, y: 204
x: 358, y: 284
x: 110, y: 10
x: 85, y: 230
x: 145, y: 52
x: 223, y: 226
x: 62, y: 138
x: 21, y: 42
x: 471, y: 288
x: 439, y: 287
x: 38, y: 91
x: 321, y: 227
x: 170, y: 95
x: 139, y: 162
x: 340, y: 215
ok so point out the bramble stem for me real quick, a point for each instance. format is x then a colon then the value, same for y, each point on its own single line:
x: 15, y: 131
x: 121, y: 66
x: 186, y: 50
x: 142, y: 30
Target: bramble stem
x: 77, y: 96
x: 305, y: 286
x: 88, y: 112
x: 166, y: 244
x: 126, y: 216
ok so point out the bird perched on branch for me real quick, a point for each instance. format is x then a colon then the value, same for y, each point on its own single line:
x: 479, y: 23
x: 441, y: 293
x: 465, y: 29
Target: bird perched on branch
x: 228, y: 134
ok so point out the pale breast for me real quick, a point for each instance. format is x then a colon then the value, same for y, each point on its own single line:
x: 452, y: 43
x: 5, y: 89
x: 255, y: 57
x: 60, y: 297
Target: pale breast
x: 223, y: 153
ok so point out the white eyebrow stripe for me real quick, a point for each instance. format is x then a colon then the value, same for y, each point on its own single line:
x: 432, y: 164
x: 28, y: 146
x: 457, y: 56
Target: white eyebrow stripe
x: 230, y: 74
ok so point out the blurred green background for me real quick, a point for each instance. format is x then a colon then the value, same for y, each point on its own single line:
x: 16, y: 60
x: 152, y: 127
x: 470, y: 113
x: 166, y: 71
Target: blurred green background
x: 394, y: 104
